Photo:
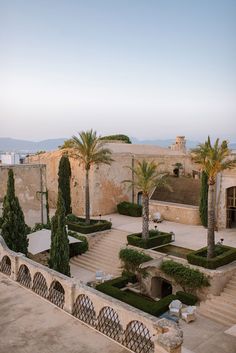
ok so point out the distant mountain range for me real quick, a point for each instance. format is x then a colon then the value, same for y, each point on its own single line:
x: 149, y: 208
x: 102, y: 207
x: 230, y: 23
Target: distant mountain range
x: 25, y: 146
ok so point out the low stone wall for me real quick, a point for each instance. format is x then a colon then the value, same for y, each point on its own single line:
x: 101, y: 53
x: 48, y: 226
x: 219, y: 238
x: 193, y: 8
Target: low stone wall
x: 175, y: 212
x: 218, y: 278
x: 128, y: 326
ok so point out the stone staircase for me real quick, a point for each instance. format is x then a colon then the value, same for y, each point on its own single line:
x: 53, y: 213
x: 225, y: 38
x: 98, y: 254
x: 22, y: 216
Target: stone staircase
x: 222, y: 308
x: 104, y: 254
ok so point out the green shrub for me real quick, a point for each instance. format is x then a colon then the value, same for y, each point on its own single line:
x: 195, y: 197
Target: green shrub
x: 187, y: 298
x: 119, y: 137
x: 138, y: 301
x: 223, y: 256
x: 156, y: 238
x: 1, y: 222
x: 78, y: 248
x: 132, y: 258
x: 40, y: 226
x: 189, y: 279
x: 129, y: 209
x: 77, y: 224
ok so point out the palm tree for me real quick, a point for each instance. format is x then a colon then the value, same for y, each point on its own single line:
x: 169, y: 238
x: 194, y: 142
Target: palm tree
x: 213, y: 159
x: 146, y: 179
x: 90, y: 150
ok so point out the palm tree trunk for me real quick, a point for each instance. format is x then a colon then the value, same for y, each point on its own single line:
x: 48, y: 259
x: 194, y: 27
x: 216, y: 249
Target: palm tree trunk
x: 145, y: 230
x: 211, y: 222
x: 87, y: 198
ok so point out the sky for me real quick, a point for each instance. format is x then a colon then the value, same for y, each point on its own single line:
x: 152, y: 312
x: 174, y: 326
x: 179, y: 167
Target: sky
x: 152, y: 69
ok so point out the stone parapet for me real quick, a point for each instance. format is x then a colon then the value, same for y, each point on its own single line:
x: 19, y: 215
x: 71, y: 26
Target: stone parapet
x: 134, y: 329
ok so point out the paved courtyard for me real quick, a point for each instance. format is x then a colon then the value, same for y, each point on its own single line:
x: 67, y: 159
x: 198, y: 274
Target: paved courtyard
x: 188, y: 236
x: 29, y: 324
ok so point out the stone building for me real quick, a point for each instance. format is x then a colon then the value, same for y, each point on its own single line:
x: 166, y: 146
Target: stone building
x: 107, y: 188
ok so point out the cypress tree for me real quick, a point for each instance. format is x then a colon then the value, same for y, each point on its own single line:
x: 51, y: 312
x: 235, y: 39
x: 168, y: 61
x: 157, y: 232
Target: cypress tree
x: 14, y: 229
x: 59, y: 252
x: 64, y: 175
x: 203, y: 208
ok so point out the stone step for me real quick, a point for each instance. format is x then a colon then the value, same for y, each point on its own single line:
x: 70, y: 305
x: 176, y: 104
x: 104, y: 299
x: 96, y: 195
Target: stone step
x: 222, y: 308
x: 231, y: 298
x: 107, y: 246
x: 223, y: 301
x: 231, y: 286
x: 230, y: 291
x: 94, y: 256
x: 215, y: 315
x: 94, y: 266
x: 105, y: 253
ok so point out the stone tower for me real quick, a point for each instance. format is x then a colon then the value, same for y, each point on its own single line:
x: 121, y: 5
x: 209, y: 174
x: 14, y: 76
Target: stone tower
x: 179, y: 145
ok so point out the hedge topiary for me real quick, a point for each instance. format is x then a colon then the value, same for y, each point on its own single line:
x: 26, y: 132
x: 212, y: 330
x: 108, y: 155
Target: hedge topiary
x: 148, y: 305
x: 223, y: 256
x: 129, y: 209
x: 189, y: 279
x: 156, y: 238
x: 119, y: 137
x: 78, y: 248
x: 187, y: 298
x: 132, y: 259
x: 77, y: 224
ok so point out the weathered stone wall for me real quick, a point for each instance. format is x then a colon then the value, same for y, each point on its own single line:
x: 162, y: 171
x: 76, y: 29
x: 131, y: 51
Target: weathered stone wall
x: 176, y: 212
x: 92, y: 307
x: 106, y: 187
x: 30, y: 181
x: 225, y: 180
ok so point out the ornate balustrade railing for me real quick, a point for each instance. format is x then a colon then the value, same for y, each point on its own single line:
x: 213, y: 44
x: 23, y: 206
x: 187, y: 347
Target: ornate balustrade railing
x: 130, y: 327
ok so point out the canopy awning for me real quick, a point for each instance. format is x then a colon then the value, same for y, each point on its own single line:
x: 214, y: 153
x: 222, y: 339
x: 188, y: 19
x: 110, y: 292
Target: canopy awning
x: 41, y: 241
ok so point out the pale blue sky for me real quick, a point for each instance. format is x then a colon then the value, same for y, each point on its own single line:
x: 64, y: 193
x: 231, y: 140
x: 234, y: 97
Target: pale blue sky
x: 150, y: 68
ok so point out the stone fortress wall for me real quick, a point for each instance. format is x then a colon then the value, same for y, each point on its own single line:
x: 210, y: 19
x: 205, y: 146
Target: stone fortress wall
x: 30, y: 186
x: 126, y: 325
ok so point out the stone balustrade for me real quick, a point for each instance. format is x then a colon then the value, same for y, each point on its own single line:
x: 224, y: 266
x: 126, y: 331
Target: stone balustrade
x: 130, y: 327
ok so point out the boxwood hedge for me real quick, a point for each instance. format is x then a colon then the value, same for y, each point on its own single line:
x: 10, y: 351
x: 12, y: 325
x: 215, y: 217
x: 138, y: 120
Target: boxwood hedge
x: 148, y: 305
x: 156, y: 238
x: 223, y: 256
x: 77, y: 224
x: 78, y: 248
x: 187, y: 298
x: 129, y: 209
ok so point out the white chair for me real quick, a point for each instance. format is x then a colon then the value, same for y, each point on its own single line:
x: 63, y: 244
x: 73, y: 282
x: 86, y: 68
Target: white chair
x: 175, y: 307
x: 99, y: 276
x: 188, y: 314
x: 157, y: 217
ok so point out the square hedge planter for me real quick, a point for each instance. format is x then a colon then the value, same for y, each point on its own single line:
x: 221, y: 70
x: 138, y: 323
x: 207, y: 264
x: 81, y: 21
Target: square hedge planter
x: 77, y: 224
x: 224, y: 255
x: 156, y: 238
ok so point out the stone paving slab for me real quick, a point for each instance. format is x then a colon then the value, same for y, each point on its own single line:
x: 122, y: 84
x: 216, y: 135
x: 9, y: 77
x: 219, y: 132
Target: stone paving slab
x: 29, y: 324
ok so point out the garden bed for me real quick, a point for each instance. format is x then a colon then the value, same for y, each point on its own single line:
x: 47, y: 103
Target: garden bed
x: 146, y: 304
x: 78, y: 224
x: 174, y: 250
x: 156, y: 238
x: 223, y: 256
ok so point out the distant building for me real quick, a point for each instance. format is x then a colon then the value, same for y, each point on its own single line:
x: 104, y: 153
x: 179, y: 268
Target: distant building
x: 10, y: 158
x: 179, y: 144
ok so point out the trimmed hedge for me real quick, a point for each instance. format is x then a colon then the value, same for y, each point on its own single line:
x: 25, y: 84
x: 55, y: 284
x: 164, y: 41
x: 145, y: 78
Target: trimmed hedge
x: 156, y: 238
x: 187, y: 298
x: 223, y: 256
x: 77, y: 224
x: 132, y: 259
x: 78, y: 248
x: 138, y: 301
x: 129, y: 209
x: 188, y: 278
x: 119, y: 137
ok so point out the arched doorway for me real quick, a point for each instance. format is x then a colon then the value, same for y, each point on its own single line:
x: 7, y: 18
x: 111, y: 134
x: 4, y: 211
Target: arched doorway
x: 160, y: 287
x: 231, y: 207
